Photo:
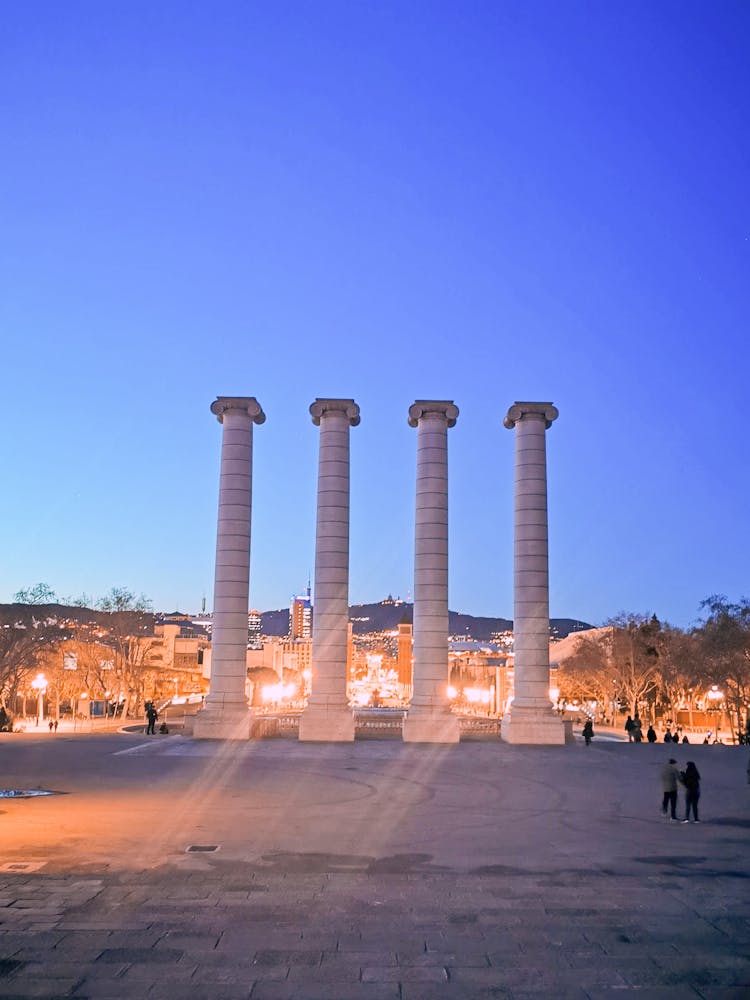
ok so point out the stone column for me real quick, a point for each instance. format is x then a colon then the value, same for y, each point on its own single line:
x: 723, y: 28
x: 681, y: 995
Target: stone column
x: 226, y: 714
x: 430, y: 719
x: 531, y: 718
x: 328, y: 717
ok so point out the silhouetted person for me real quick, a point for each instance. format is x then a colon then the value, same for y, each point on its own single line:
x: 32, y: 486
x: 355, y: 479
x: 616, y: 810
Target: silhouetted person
x: 51, y: 725
x: 685, y: 739
x: 637, y: 731
x: 667, y: 737
x: 651, y: 734
x: 669, y: 777
x: 691, y: 779
x: 151, y: 715
x: 588, y: 731
x: 629, y: 727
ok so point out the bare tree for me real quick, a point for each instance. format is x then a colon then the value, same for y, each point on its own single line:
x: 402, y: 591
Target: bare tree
x: 23, y: 642
x: 40, y: 593
x: 130, y: 637
x: 724, y: 636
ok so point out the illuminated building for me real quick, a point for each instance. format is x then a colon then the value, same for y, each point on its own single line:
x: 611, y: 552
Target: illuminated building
x: 254, y: 629
x: 405, y: 659
x: 300, y: 617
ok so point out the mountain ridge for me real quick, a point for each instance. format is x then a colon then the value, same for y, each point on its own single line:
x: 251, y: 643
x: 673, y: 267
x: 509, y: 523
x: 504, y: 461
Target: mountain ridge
x: 385, y: 616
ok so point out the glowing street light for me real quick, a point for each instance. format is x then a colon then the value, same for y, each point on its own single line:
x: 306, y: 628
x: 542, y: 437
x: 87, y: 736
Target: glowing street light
x: 715, y: 697
x: 39, y: 684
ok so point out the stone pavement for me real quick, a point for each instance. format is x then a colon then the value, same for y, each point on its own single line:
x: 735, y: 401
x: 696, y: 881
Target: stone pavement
x: 376, y: 869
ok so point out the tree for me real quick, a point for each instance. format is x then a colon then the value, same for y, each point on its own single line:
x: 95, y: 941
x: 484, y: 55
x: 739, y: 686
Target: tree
x: 130, y: 637
x: 23, y: 642
x: 724, y: 635
x: 634, y: 656
x: 680, y: 669
x: 40, y: 593
x: 586, y: 675
x: 618, y: 662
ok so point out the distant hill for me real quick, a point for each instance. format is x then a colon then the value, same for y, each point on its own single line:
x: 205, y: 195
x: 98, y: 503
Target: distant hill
x: 385, y: 617
x: 382, y: 617
x: 25, y: 614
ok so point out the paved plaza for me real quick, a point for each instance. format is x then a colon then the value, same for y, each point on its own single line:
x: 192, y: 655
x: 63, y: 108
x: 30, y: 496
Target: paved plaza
x: 374, y: 869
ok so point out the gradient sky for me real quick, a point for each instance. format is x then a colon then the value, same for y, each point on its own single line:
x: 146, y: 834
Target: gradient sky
x: 388, y: 201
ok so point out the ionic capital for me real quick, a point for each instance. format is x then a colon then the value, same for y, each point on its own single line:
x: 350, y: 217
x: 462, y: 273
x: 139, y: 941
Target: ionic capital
x: 543, y: 411
x: 433, y: 408
x: 244, y: 404
x: 346, y: 406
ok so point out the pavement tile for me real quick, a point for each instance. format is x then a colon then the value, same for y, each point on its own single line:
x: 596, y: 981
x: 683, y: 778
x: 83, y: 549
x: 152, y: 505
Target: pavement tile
x: 404, y: 974
x: 152, y: 956
x: 356, y: 957
x: 325, y: 991
x: 273, y: 957
x: 447, y: 958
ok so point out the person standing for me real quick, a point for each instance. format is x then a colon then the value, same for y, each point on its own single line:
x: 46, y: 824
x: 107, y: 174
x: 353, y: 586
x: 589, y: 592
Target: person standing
x: 651, y: 734
x: 669, y: 777
x: 151, y: 716
x: 691, y: 779
x: 588, y: 731
x: 629, y: 728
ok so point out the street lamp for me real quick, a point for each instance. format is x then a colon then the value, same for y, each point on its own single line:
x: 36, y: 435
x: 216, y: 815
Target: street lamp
x: 715, y: 696
x: 39, y: 684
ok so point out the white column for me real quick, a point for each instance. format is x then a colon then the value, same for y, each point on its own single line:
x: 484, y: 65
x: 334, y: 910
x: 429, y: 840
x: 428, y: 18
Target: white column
x: 531, y: 718
x: 430, y: 719
x: 328, y: 717
x: 226, y: 714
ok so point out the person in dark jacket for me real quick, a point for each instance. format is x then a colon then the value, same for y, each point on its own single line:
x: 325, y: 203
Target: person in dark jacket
x: 691, y: 779
x: 669, y: 777
x: 629, y: 728
x: 651, y: 734
x: 588, y: 731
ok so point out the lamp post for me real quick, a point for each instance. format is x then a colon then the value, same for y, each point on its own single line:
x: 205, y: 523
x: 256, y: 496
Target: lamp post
x: 715, y: 696
x: 39, y: 684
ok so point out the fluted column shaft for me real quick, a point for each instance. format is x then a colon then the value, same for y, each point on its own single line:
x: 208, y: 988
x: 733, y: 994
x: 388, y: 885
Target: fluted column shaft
x: 430, y: 718
x: 328, y: 716
x: 531, y: 711
x: 226, y: 705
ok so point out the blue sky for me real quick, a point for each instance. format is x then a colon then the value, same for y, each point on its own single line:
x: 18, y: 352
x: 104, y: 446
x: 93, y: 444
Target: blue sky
x: 388, y: 201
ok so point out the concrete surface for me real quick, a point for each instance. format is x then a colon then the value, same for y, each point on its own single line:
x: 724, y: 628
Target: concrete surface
x: 375, y: 869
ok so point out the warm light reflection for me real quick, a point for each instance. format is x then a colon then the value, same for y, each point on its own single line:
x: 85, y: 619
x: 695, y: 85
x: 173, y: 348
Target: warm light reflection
x: 275, y: 693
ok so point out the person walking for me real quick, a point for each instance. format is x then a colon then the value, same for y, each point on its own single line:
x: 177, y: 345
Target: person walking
x: 629, y: 728
x: 588, y: 731
x: 691, y: 779
x: 669, y: 778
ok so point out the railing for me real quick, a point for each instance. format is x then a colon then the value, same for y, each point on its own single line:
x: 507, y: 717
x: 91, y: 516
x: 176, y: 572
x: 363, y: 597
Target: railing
x: 370, y: 724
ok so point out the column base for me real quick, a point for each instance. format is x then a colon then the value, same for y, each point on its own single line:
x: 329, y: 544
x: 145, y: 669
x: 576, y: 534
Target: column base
x: 431, y: 727
x: 534, y: 726
x: 223, y: 722
x: 327, y: 724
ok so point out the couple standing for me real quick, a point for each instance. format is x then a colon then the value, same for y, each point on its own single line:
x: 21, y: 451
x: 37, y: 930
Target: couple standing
x: 691, y: 779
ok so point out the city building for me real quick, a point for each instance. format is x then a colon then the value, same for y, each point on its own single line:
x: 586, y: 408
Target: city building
x: 300, y: 617
x: 254, y: 629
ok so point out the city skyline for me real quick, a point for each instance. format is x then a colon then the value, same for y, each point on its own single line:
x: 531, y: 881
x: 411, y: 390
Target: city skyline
x: 505, y: 202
